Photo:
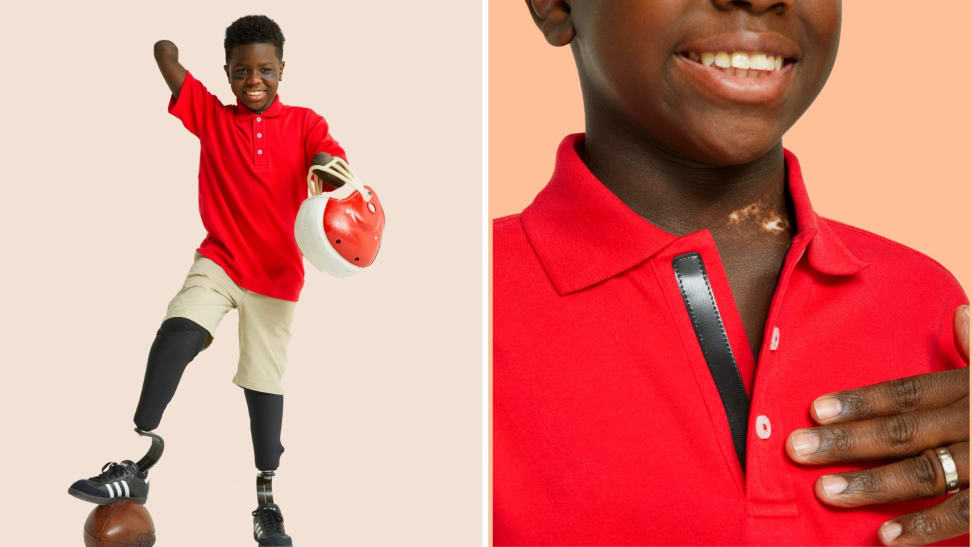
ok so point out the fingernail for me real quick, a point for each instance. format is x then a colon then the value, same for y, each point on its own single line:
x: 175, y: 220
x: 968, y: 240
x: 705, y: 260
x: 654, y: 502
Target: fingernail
x: 890, y: 531
x: 805, y: 443
x: 826, y: 407
x: 833, y: 484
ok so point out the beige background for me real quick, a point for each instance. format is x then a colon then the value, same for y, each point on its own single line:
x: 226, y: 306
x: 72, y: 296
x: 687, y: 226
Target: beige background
x: 99, y: 216
x: 884, y: 147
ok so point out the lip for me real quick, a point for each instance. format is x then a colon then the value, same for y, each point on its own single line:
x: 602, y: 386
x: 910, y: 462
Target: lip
x: 769, y: 89
x: 746, y: 41
x: 247, y: 96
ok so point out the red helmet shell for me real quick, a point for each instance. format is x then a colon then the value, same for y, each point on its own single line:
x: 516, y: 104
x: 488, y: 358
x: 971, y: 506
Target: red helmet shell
x: 353, y: 227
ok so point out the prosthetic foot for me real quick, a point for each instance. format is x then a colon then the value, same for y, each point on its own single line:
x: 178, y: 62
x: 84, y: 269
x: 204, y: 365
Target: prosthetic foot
x: 119, y: 481
x: 268, y: 528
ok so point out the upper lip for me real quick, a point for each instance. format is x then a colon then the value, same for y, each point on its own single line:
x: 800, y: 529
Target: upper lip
x: 746, y: 41
x: 252, y: 90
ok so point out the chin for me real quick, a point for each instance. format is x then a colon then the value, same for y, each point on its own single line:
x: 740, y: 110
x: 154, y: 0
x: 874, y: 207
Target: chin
x: 737, y: 146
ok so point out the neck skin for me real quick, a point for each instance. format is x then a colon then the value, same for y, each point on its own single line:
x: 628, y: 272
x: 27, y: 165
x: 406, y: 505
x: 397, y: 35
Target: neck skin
x: 738, y: 204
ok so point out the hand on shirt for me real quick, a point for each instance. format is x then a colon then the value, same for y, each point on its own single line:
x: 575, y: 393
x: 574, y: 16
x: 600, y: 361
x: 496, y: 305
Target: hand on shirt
x: 906, y: 420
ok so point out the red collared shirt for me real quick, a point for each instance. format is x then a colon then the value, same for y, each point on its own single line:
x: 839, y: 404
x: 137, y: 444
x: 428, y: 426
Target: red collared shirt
x: 608, y: 428
x: 252, y: 180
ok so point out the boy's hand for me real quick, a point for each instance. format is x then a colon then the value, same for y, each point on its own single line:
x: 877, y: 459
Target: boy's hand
x: 904, y: 419
x: 322, y: 158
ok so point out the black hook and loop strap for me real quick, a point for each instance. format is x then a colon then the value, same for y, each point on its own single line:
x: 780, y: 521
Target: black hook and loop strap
x: 711, y: 333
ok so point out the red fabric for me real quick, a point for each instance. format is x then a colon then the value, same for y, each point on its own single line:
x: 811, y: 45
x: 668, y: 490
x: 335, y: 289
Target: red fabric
x: 607, y: 426
x: 252, y: 180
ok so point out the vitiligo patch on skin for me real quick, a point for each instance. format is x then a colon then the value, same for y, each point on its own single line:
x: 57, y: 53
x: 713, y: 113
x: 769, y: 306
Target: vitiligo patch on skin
x: 775, y: 224
x: 768, y: 222
x: 744, y: 213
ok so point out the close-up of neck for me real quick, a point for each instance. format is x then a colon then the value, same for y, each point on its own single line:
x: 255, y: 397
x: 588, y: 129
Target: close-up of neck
x: 680, y: 196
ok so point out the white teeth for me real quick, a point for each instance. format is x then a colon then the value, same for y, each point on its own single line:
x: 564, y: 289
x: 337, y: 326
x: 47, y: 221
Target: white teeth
x: 761, y: 61
x: 739, y: 60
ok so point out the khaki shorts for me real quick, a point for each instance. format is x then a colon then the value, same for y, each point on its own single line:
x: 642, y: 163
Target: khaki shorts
x: 264, y: 324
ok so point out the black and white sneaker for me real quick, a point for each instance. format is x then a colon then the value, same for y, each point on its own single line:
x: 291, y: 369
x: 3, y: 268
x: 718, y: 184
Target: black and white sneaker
x: 268, y: 528
x: 117, y: 481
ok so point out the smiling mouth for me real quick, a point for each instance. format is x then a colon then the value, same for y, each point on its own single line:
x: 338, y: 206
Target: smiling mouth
x: 753, y: 78
x: 255, y: 94
x: 740, y: 63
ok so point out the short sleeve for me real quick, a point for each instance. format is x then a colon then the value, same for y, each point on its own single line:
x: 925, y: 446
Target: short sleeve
x: 318, y: 139
x: 195, y: 106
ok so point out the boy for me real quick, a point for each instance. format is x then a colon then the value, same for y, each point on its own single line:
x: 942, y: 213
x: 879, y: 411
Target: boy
x: 673, y: 249
x: 252, y: 168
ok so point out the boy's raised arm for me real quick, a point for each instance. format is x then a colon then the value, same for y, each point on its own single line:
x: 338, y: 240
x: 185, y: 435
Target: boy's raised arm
x: 167, y: 56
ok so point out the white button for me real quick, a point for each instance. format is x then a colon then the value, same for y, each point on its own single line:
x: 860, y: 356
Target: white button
x: 258, y: 118
x: 763, y: 428
x: 259, y: 135
x: 259, y: 151
x: 775, y: 341
x: 371, y: 207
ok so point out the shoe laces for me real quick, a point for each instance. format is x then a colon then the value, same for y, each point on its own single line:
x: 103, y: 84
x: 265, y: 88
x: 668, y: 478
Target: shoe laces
x: 112, y: 470
x: 269, y: 518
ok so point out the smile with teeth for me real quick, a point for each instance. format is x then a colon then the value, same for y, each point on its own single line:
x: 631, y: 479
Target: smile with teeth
x: 748, y: 65
x: 254, y: 93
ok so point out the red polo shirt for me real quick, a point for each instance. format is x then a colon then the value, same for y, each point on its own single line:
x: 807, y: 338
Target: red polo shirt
x: 608, y: 428
x: 252, y: 180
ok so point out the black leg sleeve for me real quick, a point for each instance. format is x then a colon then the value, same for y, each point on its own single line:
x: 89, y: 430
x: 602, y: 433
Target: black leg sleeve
x: 176, y: 344
x: 266, y: 417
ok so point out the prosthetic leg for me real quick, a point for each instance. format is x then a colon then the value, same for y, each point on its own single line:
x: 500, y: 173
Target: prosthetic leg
x: 266, y: 417
x: 265, y: 488
x: 268, y: 526
x: 154, y: 451
x: 176, y: 344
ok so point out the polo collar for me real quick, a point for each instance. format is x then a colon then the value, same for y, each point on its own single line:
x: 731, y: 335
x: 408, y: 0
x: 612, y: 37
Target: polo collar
x: 584, y: 234
x: 245, y: 113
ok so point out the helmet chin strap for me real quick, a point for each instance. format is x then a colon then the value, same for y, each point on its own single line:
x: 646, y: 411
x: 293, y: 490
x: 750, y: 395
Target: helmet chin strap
x: 339, y: 169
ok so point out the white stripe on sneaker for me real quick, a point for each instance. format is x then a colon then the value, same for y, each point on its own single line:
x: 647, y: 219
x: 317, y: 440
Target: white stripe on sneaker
x: 127, y: 493
x: 111, y: 493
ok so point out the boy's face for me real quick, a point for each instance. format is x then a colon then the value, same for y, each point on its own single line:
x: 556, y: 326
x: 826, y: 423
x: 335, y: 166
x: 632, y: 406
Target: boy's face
x: 643, y: 69
x: 254, y: 72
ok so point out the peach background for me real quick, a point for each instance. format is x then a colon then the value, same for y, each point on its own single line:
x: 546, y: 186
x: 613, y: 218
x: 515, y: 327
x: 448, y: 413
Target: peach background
x: 884, y: 147
x: 99, y: 215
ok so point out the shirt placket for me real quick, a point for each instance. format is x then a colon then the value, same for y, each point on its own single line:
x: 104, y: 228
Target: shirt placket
x: 765, y: 485
x: 700, y: 243
x: 769, y: 485
x: 259, y: 140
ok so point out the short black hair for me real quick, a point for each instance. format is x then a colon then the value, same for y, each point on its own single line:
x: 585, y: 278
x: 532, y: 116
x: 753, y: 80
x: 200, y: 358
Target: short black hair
x: 253, y: 29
